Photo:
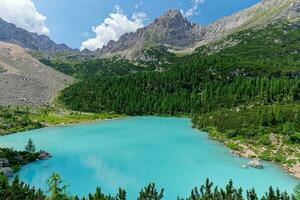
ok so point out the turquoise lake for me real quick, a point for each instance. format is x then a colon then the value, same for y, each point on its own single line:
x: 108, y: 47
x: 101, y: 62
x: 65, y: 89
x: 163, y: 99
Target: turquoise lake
x: 132, y: 152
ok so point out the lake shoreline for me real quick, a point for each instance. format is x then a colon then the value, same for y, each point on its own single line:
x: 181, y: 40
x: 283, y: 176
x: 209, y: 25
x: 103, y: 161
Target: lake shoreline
x: 116, y: 144
x: 292, y: 171
x: 249, y: 153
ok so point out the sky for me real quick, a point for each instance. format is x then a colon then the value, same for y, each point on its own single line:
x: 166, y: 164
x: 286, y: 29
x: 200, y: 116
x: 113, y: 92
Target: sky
x: 92, y: 23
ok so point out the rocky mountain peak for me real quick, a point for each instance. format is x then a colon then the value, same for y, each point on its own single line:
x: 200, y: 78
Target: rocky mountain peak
x: 171, y: 15
x: 172, y: 19
x: 176, y: 32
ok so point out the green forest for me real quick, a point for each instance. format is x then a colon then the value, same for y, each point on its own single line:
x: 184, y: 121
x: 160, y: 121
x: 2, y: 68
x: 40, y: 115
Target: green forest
x: 256, y: 78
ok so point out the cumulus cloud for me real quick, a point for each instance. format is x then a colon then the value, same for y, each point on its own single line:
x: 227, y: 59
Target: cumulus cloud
x: 113, y: 28
x: 23, y: 14
x: 194, y: 9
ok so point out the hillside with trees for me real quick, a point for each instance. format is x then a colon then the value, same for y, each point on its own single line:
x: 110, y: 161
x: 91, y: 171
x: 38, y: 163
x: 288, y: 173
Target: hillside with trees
x: 251, y: 73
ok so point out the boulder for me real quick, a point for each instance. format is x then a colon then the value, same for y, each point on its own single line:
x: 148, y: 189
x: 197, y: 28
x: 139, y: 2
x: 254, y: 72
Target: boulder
x: 43, y: 155
x: 4, y: 162
x: 255, y: 163
x: 7, y: 171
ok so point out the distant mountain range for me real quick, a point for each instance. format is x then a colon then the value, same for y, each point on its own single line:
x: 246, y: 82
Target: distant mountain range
x: 171, y: 30
x: 12, y: 34
x: 177, y: 33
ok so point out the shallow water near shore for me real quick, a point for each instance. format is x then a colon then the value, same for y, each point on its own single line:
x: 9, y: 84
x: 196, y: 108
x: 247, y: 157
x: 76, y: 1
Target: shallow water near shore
x: 132, y: 152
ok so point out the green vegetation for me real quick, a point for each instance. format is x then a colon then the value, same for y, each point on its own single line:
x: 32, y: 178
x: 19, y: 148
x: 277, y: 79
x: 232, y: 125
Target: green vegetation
x: 2, y: 69
x: 17, y: 119
x: 246, y: 93
x: 14, y: 120
x: 244, y: 90
x: 56, y: 118
x: 58, y: 191
x: 30, y: 147
x: 297, y: 192
x: 271, y: 131
x: 104, y: 67
x: 18, y: 159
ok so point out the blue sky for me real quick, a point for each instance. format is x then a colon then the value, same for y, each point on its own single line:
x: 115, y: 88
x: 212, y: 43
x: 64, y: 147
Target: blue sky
x: 71, y: 21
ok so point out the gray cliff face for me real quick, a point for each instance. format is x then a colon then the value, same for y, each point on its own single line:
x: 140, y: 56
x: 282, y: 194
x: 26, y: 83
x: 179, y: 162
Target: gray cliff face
x: 12, y: 34
x: 176, y: 32
x: 171, y: 29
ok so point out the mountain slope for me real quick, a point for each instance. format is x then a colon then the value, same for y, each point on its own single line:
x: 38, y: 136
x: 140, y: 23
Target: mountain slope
x: 177, y: 33
x: 24, y: 80
x: 12, y: 34
x: 264, y: 13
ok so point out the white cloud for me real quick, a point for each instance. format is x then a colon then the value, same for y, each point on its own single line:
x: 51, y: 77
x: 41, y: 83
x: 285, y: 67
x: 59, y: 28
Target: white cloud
x: 194, y: 9
x: 23, y: 14
x: 113, y: 28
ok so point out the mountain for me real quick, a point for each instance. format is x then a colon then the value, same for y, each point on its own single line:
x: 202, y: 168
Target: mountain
x: 177, y: 33
x: 24, y: 80
x: 263, y: 13
x: 171, y: 29
x: 12, y: 34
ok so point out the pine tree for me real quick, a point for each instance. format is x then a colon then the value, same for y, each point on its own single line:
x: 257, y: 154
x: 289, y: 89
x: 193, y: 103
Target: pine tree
x: 151, y: 193
x: 57, y: 189
x: 121, y: 195
x: 297, y: 192
x: 251, y: 195
x: 30, y: 147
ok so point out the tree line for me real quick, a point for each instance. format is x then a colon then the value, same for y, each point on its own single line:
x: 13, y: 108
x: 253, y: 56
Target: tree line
x: 57, y: 190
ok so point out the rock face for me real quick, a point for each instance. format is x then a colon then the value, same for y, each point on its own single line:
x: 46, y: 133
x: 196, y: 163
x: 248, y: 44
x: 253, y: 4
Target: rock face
x: 5, y: 168
x: 26, y: 81
x: 4, y: 162
x: 7, y: 171
x: 43, y: 155
x: 176, y: 32
x: 171, y: 29
x: 12, y: 34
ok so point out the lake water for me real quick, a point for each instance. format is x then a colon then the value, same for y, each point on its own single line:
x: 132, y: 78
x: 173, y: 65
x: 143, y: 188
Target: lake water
x: 132, y: 152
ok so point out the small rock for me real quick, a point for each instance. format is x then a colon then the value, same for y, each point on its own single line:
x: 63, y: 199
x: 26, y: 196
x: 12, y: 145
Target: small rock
x: 236, y: 153
x: 43, y: 155
x: 255, y: 163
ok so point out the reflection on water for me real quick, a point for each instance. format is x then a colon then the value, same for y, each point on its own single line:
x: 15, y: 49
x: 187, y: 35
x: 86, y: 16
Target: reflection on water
x: 105, y: 173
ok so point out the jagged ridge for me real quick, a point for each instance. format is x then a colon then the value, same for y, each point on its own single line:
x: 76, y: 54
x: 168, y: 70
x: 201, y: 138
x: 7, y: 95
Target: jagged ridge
x: 12, y: 34
x: 176, y: 32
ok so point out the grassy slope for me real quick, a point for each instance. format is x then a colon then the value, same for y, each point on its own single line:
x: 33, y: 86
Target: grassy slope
x: 16, y: 119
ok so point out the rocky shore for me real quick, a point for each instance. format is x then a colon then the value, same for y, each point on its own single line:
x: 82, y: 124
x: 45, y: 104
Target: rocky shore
x: 10, y: 165
x: 293, y: 170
